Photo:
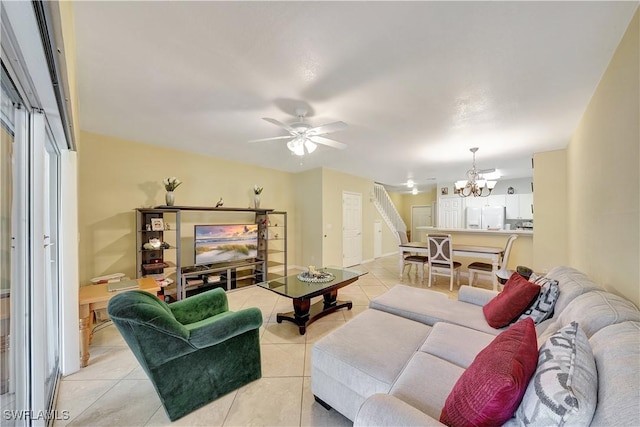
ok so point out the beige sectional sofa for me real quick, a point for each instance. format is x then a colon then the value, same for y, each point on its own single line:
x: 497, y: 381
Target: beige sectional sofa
x: 397, y: 362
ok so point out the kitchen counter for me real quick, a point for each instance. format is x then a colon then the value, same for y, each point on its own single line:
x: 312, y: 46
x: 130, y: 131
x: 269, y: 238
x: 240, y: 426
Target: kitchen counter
x: 521, y: 253
x: 476, y: 231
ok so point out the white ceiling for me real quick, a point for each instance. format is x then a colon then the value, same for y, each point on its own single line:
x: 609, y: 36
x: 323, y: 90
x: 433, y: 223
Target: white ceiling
x: 418, y: 83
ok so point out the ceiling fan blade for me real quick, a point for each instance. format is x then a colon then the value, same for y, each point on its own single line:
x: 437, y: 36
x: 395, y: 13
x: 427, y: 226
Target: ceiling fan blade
x: 282, y: 125
x: 330, y: 142
x: 328, y: 128
x: 271, y: 139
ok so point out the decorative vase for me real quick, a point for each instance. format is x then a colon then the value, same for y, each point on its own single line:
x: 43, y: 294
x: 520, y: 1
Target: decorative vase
x: 256, y: 201
x: 169, y: 198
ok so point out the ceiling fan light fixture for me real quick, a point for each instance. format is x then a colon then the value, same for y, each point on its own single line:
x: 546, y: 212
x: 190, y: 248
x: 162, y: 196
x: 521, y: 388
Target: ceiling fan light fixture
x: 310, y: 146
x: 301, y: 134
x: 296, y: 146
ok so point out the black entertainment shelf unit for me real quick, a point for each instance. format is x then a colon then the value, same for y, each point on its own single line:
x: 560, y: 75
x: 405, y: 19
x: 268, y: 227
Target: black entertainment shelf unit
x: 166, y: 263
x: 225, y: 275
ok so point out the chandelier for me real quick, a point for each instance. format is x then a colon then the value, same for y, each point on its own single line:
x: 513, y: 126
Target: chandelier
x: 298, y: 145
x: 475, y: 185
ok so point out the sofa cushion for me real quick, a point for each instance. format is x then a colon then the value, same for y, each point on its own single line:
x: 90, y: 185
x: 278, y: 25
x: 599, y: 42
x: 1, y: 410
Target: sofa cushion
x: 617, y: 352
x: 511, y: 302
x: 430, y: 307
x: 366, y: 356
x: 426, y: 382
x: 593, y: 311
x: 410, y: 303
x: 571, y: 283
x: 542, y: 306
x: 490, y: 390
x: 456, y: 344
x: 563, y: 390
x: 384, y: 410
x: 476, y: 296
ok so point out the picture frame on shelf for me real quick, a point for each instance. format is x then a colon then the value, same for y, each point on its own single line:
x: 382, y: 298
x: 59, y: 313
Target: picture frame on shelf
x: 157, y: 224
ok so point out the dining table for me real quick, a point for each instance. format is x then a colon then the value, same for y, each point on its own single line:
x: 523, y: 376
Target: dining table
x: 485, y: 252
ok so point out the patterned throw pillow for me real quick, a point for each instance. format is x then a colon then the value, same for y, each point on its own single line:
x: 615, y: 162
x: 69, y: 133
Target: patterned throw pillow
x: 564, y: 388
x: 542, y: 307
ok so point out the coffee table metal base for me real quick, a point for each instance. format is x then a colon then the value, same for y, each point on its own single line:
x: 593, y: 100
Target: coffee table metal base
x: 305, y: 313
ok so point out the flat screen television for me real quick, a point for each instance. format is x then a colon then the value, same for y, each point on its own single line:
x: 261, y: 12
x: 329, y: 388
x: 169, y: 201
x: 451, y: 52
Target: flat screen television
x: 225, y: 242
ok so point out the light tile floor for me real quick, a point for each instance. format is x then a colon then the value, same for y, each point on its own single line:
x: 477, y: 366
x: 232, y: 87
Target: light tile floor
x: 114, y: 390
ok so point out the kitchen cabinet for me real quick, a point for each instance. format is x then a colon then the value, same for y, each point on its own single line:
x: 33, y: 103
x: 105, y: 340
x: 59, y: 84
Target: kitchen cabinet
x: 480, y: 202
x: 494, y: 200
x: 474, y: 202
x: 519, y: 206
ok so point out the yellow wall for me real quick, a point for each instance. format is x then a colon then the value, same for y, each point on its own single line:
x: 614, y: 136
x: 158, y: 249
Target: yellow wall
x: 334, y: 184
x: 602, y: 175
x: 521, y: 251
x: 550, y: 204
x: 404, y: 202
x: 117, y: 176
x: 308, y: 205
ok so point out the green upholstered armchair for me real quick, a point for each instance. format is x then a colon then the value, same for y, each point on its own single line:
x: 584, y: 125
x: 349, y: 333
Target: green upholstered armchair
x: 194, y: 350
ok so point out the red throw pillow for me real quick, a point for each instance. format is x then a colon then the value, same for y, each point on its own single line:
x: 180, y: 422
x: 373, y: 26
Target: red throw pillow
x: 517, y: 296
x: 490, y: 390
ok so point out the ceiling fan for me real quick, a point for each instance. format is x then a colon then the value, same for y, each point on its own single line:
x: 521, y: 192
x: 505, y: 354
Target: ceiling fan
x: 302, y: 137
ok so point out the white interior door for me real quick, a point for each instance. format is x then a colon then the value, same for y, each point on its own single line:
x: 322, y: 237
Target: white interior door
x: 450, y: 213
x: 377, y: 239
x: 421, y: 216
x: 351, y: 229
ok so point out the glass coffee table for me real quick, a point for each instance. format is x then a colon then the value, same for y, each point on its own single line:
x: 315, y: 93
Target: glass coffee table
x: 301, y: 292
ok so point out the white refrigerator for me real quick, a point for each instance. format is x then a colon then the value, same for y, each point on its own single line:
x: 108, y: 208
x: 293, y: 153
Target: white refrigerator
x: 474, y: 218
x: 493, y: 217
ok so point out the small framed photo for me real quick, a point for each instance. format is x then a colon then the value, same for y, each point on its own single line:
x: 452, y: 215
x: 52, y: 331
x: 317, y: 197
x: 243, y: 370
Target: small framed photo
x: 157, y: 224
x: 444, y: 191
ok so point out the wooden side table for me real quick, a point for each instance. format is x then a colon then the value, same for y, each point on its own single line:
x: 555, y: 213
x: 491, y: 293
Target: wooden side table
x: 95, y: 297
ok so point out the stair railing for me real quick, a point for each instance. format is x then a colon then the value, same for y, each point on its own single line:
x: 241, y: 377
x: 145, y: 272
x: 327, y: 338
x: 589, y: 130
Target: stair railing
x: 388, y: 210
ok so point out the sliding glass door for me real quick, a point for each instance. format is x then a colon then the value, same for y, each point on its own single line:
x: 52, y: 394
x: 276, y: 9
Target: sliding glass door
x: 51, y: 267
x: 30, y: 271
x: 34, y: 140
x: 14, y: 312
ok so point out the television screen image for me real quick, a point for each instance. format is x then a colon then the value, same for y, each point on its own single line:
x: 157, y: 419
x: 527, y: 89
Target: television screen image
x: 227, y: 242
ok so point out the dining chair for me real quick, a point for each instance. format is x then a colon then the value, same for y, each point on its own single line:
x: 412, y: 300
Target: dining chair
x: 411, y: 259
x: 476, y: 268
x: 441, y: 261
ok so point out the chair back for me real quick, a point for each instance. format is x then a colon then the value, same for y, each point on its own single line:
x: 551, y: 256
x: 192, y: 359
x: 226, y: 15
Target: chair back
x: 440, y: 249
x: 147, y: 325
x: 507, y: 250
x: 402, y: 235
